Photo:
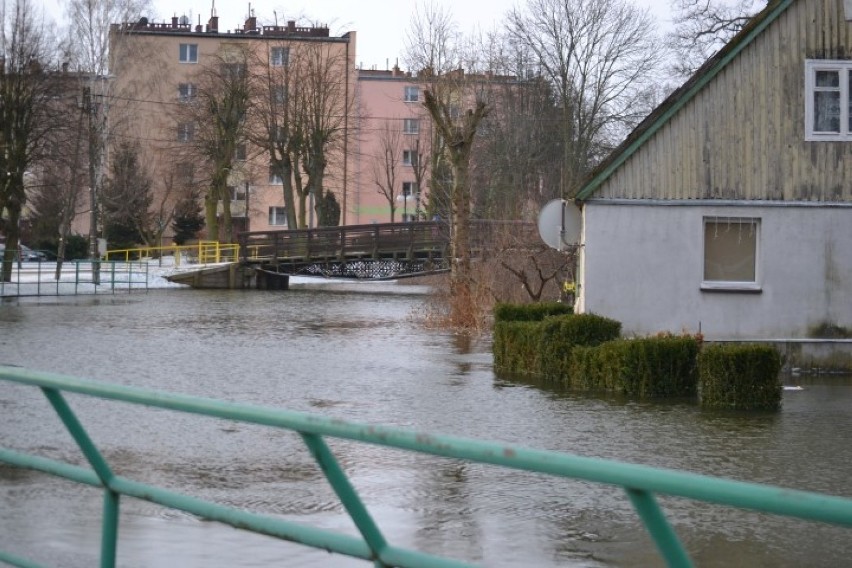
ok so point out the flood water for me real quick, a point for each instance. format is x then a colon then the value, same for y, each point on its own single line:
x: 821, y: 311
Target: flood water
x: 359, y: 353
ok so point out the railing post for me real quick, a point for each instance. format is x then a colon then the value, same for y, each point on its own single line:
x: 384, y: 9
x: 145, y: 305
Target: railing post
x: 109, y: 527
x: 661, y: 531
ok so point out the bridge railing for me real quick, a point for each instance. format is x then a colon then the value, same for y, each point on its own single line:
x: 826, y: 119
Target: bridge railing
x: 640, y: 483
x: 365, y: 241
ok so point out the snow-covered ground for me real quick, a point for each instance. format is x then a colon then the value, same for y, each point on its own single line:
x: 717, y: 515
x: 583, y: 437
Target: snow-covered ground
x: 38, y: 278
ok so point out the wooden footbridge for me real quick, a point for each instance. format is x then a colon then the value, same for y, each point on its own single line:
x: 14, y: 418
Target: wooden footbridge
x: 266, y: 259
x: 377, y: 251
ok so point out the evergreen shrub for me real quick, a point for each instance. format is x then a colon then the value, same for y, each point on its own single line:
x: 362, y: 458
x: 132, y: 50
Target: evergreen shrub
x: 561, y: 335
x: 740, y: 377
x: 516, y: 346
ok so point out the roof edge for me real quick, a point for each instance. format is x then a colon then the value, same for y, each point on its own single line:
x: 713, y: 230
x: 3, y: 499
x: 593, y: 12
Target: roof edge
x: 677, y: 100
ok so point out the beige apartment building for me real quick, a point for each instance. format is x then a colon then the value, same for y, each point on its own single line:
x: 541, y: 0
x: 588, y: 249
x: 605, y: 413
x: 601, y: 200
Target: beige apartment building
x: 157, y: 68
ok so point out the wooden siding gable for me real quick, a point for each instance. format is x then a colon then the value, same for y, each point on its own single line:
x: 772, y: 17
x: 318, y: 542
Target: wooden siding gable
x: 735, y: 129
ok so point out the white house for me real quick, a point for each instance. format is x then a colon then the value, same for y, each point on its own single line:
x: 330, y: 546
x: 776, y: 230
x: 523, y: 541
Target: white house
x: 729, y: 209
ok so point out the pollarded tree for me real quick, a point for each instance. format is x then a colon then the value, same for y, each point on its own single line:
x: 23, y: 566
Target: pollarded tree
x: 25, y: 96
x: 456, y: 105
x: 601, y: 57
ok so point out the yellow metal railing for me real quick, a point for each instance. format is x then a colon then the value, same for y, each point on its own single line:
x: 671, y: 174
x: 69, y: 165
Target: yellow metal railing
x: 203, y: 252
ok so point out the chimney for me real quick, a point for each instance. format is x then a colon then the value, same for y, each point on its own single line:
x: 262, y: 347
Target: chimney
x: 213, y: 24
x: 174, y: 22
x: 251, y: 24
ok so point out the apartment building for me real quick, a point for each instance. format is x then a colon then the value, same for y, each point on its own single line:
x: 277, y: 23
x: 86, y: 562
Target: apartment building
x: 158, y: 68
x: 393, y: 147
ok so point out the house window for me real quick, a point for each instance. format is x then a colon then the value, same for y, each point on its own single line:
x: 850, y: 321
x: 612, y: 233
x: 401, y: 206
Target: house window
x: 278, y: 216
x: 412, y: 94
x: 279, y: 56
x: 240, y: 153
x: 410, y: 126
x: 828, y: 98
x: 409, y: 188
x: 274, y: 176
x: 188, y: 53
x: 409, y: 158
x: 186, y: 92
x: 185, y: 132
x: 730, y: 253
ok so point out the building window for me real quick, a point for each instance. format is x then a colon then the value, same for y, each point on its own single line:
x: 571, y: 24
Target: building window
x: 412, y: 94
x: 278, y: 216
x: 233, y: 71
x: 274, y: 176
x: 185, y: 132
x: 828, y: 100
x: 280, y: 94
x: 279, y: 56
x: 240, y: 153
x: 409, y: 188
x: 187, y: 92
x: 188, y: 53
x: 410, y: 126
x: 731, y: 253
x: 409, y: 158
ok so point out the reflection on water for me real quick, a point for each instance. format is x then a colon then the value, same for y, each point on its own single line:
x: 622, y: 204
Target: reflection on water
x: 361, y: 356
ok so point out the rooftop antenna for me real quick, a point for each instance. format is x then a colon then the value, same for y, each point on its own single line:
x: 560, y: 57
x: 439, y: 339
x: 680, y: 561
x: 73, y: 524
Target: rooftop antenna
x: 213, y: 9
x: 274, y: 13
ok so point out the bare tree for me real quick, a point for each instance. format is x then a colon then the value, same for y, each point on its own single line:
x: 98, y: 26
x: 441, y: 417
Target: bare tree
x: 420, y: 169
x: 701, y: 27
x: 323, y: 113
x: 25, y: 95
x: 303, y: 120
x: 89, y: 49
x: 213, y: 123
x: 387, y: 164
x: 434, y: 46
x: 126, y: 199
x: 600, y: 56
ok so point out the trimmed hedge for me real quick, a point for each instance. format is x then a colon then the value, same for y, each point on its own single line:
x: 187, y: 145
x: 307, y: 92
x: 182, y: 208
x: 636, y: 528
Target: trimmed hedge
x: 646, y: 368
x: 582, y: 352
x: 530, y: 312
x: 740, y: 377
x: 544, y: 347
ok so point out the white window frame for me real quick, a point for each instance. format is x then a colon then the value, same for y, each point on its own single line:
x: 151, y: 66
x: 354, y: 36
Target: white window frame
x: 274, y: 178
x: 411, y: 126
x: 844, y: 69
x: 279, y: 56
x: 188, y: 53
x: 732, y: 285
x: 409, y: 158
x: 411, y: 94
x: 277, y: 216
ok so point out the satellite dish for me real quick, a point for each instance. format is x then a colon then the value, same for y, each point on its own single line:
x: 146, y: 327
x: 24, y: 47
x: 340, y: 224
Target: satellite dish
x: 184, y: 20
x: 560, y: 223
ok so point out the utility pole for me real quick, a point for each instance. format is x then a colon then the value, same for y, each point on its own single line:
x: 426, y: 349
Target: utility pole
x: 89, y: 108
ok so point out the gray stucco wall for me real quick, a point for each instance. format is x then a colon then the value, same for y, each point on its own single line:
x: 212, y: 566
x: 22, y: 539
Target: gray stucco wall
x: 642, y: 264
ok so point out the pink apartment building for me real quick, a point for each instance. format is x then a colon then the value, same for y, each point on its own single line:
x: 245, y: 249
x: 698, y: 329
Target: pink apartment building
x: 393, y: 141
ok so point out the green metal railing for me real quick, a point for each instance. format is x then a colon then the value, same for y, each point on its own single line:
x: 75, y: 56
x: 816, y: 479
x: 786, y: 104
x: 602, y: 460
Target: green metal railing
x: 76, y: 277
x: 641, y: 483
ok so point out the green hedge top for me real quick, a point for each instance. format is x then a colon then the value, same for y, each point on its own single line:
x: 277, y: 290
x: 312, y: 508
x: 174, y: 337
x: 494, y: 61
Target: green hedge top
x: 530, y: 312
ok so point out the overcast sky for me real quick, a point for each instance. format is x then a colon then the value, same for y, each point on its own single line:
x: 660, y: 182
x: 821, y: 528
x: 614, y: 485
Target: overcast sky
x: 380, y: 24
